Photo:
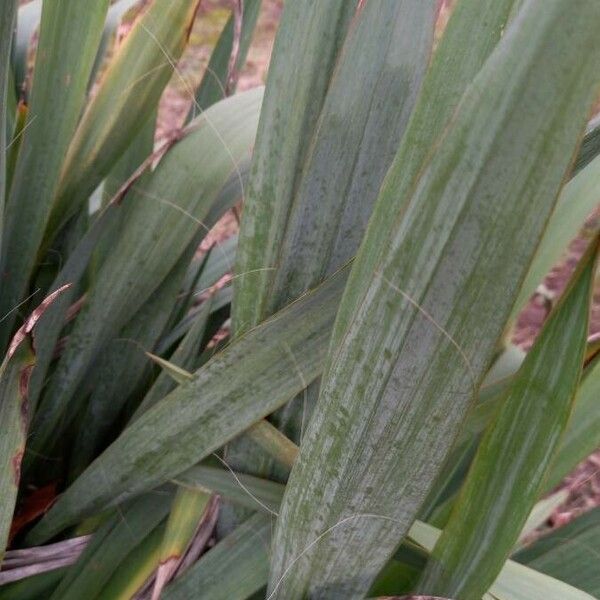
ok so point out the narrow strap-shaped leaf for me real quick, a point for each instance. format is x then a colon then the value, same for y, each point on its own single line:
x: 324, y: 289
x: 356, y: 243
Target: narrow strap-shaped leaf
x: 138, y: 151
x: 459, y: 56
x: 14, y: 414
x: 136, y: 569
x: 52, y: 321
x: 136, y: 76
x: 569, y: 553
x: 366, y: 110
x: 11, y: 108
x: 249, y: 491
x: 516, y: 581
x: 274, y: 443
x: 189, y: 506
x: 8, y: 12
x: 111, y: 543
x: 122, y: 367
x: 583, y: 432
x: 34, y: 587
x: 13, y: 431
x: 422, y: 331
x: 296, y: 88
x: 184, y: 357
x: 246, y: 381
x: 14, y: 135
x: 162, y: 216
x: 507, y: 472
x: 384, y: 56
x: 69, y: 37
x: 213, y: 86
x: 233, y: 570
x: 117, y: 11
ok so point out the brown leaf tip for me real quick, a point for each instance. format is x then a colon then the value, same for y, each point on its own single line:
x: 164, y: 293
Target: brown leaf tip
x: 33, y: 318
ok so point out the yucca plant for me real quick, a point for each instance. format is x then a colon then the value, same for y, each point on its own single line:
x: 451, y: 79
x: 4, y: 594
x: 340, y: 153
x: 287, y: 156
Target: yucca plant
x: 347, y: 418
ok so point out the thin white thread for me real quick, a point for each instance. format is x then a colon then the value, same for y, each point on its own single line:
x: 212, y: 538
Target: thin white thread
x: 244, y: 488
x: 184, y: 212
x: 197, y: 105
x: 26, y: 126
x: 12, y: 310
x: 436, y: 325
x: 321, y: 536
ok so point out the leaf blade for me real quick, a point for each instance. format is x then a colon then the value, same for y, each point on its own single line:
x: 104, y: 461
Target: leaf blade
x: 69, y: 37
x: 507, y: 472
x: 421, y: 300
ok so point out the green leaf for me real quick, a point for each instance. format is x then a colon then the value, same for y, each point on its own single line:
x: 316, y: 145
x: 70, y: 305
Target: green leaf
x: 136, y: 569
x: 112, y: 543
x: 8, y: 12
x: 569, y: 553
x: 461, y: 53
x: 213, y: 86
x: 129, y: 165
x: 10, y: 113
x: 246, y: 381
x: 13, y: 431
x: 69, y: 37
x: 274, y: 443
x: 296, y: 88
x: 188, y: 510
x: 577, y: 201
x: 383, y: 57
x: 177, y: 374
x: 161, y: 216
x: 515, y: 582
x: 416, y: 333
x: 508, y: 470
x: 183, y: 358
x: 16, y: 121
x: 52, y: 321
x: 233, y: 570
x: 34, y: 587
x: 114, y: 18
x: 136, y: 78
x: 122, y: 368
x: 583, y: 433
x: 246, y: 490
x: 14, y: 415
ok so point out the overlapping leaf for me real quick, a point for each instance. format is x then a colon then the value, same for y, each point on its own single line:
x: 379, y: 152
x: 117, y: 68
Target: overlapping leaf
x: 296, y: 90
x: 246, y: 381
x: 162, y: 215
x: 233, y: 570
x: 70, y: 33
x: 137, y: 74
x: 508, y: 470
x: 417, y: 331
x: 8, y: 11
